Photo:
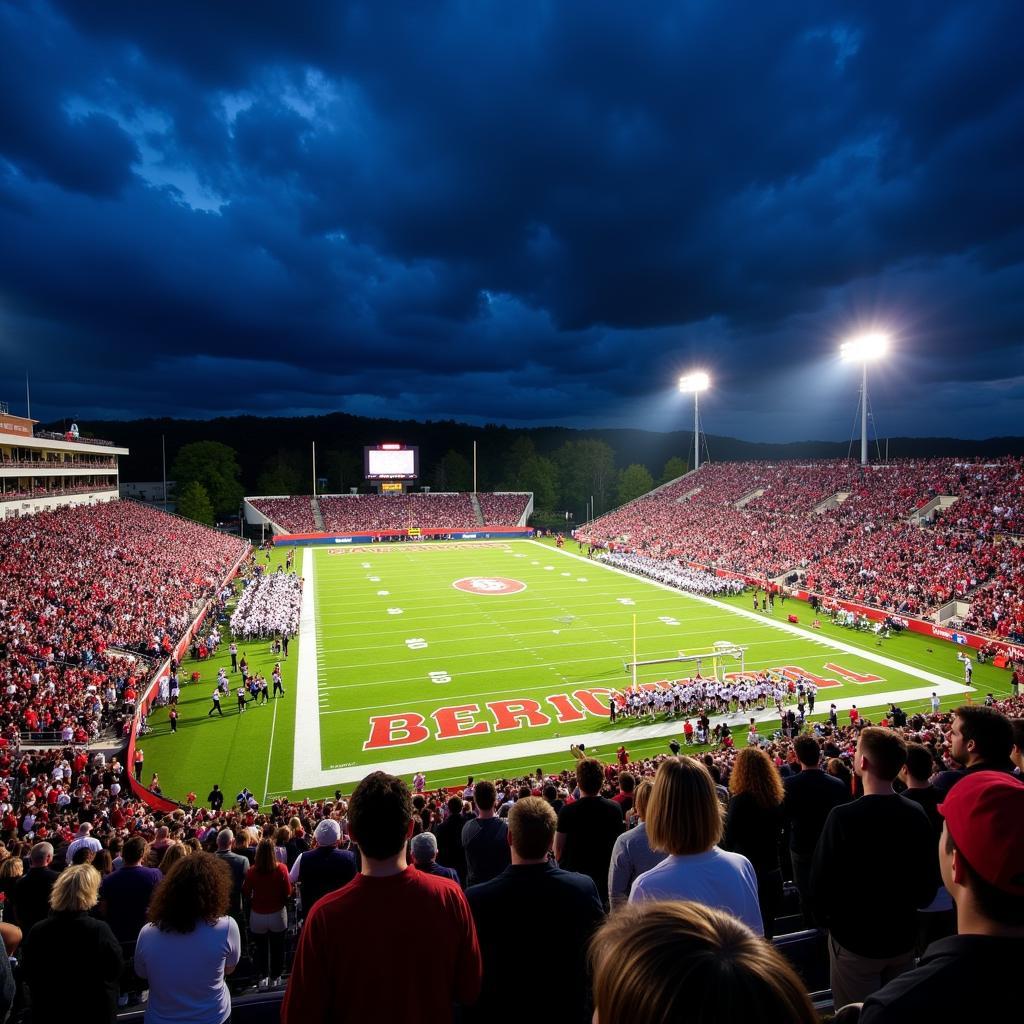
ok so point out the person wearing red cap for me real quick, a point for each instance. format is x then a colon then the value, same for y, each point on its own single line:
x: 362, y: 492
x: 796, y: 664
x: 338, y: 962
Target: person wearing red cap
x: 981, y: 854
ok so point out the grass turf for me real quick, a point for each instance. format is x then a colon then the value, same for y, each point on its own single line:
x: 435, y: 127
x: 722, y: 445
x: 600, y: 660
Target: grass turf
x: 570, y: 629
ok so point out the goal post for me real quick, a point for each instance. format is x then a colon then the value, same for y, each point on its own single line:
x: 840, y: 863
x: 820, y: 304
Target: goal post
x: 716, y: 656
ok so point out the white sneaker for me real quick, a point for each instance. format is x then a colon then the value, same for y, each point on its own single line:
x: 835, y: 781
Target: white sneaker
x: 263, y: 984
x: 276, y: 983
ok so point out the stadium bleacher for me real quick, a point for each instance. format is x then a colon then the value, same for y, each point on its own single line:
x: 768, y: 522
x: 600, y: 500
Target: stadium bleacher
x: 370, y: 512
x: 90, y: 594
x: 766, y: 521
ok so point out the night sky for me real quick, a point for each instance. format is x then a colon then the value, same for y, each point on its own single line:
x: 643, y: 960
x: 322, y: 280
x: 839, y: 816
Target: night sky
x: 515, y: 212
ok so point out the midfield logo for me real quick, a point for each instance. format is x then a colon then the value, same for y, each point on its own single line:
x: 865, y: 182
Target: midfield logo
x: 489, y: 585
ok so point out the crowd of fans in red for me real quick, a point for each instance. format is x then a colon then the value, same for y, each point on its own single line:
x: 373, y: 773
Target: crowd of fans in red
x: 366, y: 513
x: 83, y: 591
x: 846, y: 530
x: 476, y: 837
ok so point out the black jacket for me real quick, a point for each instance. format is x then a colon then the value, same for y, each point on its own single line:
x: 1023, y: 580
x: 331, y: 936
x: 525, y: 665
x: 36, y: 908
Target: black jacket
x: 524, y: 905
x: 810, y: 797
x: 872, y: 872
x: 32, y: 897
x: 72, y: 963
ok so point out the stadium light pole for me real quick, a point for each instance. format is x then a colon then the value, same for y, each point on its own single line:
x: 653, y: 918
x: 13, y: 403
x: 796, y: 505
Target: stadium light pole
x: 864, y: 349
x: 695, y: 382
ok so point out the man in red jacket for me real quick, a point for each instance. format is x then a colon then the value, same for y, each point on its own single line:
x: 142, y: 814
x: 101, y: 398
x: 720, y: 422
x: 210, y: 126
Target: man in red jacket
x: 348, y: 966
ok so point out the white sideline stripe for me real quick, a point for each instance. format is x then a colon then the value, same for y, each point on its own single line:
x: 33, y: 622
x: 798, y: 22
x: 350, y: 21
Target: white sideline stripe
x: 608, y: 739
x: 828, y: 641
x: 306, y: 748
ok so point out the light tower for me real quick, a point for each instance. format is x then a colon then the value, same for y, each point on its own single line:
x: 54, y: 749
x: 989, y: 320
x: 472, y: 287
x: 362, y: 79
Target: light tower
x: 864, y: 349
x: 695, y: 382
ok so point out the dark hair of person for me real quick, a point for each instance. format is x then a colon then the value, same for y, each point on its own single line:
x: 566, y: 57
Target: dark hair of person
x: 807, y: 750
x: 485, y: 795
x: 454, y: 805
x: 884, y: 749
x: 990, y: 730
x: 661, y: 962
x: 997, y: 905
x: 1017, y: 729
x: 197, y: 888
x: 589, y: 776
x: 627, y: 782
x: 550, y: 792
x: 379, y: 814
x: 134, y: 850
x: 920, y: 764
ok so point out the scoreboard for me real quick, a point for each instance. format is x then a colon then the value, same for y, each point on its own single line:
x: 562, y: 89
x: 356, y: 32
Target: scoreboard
x: 391, y: 462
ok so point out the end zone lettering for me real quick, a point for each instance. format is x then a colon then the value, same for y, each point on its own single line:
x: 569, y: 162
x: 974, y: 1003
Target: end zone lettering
x: 447, y: 723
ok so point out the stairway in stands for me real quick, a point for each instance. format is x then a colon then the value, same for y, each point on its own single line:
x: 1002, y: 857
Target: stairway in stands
x: 477, y: 510
x: 317, y: 518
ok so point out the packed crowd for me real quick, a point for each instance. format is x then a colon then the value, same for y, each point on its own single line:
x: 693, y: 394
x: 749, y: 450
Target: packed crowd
x: 292, y: 514
x: 846, y: 531
x: 269, y: 605
x: 370, y: 512
x: 638, y: 871
x: 503, y: 508
x: 85, y: 594
x: 673, y: 574
x: 997, y: 608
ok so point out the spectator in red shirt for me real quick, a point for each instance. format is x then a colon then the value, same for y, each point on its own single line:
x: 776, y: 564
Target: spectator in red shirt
x: 267, y: 888
x: 345, y: 966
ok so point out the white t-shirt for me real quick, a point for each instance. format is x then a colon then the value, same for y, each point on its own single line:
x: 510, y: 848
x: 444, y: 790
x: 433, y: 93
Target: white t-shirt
x: 719, y: 879
x: 186, y: 971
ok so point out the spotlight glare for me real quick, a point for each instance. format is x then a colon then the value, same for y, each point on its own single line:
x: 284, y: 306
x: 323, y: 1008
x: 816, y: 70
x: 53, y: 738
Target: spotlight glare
x: 865, y: 348
x: 697, y: 381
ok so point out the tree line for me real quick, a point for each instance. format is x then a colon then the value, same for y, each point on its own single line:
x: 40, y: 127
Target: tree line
x: 210, y: 487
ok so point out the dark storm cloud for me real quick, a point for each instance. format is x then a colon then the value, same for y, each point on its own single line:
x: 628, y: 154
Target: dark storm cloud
x: 524, y: 213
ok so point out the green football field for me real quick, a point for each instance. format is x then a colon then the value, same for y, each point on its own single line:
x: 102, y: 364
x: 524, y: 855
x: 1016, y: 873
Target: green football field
x: 477, y: 658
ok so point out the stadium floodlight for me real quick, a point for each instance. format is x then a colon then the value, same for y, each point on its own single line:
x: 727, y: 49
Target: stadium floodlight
x: 696, y: 382
x: 864, y: 349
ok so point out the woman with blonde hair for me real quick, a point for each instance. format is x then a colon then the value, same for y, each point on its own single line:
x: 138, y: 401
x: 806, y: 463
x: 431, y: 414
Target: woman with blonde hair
x: 657, y: 963
x: 90, y: 975
x: 753, y: 826
x: 11, y: 871
x: 173, y: 853
x: 684, y: 820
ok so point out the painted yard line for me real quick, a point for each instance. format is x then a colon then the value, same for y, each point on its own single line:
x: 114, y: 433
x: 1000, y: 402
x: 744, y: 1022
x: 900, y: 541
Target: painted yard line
x: 577, y: 609
x: 270, y: 749
x: 578, y: 685
x: 351, y: 665
x: 553, y: 745
x: 306, y: 752
x: 786, y: 627
x: 516, y: 668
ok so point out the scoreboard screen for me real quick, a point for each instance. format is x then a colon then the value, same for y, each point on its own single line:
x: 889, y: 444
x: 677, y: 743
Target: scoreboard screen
x: 391, y: 462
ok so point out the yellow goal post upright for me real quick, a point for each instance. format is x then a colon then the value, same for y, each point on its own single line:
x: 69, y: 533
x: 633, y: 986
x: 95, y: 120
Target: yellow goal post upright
x: 717, y: 656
